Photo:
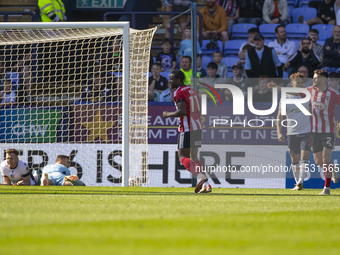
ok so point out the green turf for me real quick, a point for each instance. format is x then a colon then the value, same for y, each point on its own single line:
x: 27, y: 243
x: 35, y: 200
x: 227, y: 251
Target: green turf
x: 102, y: 220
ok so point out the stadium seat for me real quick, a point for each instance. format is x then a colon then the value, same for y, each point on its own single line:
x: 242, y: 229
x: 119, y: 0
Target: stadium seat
x: 206, y: 59
x: 321, y: 42
x: 325, y: 31
x: 240, y: 30
x: 232, y: 47
x: 268, y: 30
x: 210, y: 51
x: 165, y: 74
x: 307, y: 13
x: 293, y: 3
x: 230, y: 74
x: 305, y: 3
x: 290, y: 9
x: 230, y: 61
x: 296, y: 30
x: 297, y: 43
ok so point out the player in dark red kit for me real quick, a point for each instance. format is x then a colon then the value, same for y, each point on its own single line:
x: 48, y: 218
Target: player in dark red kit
x: 190, y: 129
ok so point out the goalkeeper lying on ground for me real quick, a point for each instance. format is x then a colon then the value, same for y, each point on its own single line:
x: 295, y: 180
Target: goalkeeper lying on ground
x: 58, y: 174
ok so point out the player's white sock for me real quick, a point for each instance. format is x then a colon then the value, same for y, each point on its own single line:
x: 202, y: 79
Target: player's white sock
x: 200, y: 175
x: 295, y: 172
x: 303, y: 170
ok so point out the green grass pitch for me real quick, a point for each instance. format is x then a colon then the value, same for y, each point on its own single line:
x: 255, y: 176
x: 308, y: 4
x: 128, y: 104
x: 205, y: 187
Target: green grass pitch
x: 106, y: 220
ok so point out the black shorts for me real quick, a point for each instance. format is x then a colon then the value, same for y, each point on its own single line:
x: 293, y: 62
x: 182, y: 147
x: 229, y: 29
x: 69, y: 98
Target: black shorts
x: 297, y: 143
x: 322, y: 140
x: 190, y: 139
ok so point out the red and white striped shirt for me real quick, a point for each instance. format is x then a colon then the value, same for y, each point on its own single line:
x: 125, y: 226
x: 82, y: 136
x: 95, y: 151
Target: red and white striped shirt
x: 323, y: 105
x: 192, y: 120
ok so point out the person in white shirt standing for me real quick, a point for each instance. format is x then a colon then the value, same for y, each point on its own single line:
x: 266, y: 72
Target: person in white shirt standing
x: 298, y: 136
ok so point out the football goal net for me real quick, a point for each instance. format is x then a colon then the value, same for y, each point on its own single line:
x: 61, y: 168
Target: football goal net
x: 77, y: 89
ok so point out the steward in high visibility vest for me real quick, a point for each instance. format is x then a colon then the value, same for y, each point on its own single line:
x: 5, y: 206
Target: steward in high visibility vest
x: 52, y: 10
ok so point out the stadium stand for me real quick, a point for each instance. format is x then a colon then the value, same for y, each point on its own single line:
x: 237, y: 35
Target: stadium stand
x: 232, y: 47
x: 240, y: 31
x: 307, y: 13
x: 27, y: 6
x: 325, y: 31
x: 205, y: 50
x: 229, y: 62
x: 295, y: 30
x: 268, y: 30
x: 206, y: 59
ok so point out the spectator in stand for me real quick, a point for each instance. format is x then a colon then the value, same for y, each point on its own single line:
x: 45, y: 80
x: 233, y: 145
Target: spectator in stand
x: 325, y: 15
x: 334, y: 81
x: 317, y: 48
x: 157, y: 83
x: 238, y: 79
x: 213, y: 78
x: 284, y: 48
x: 232, y: 10
x: 242, y: 55
x: 200, y: 69
x: 186, y: 69
x: 331, y: 51
x: 52, y: 10
x: 185, y: 48
x: 337, y: 11
x: 251, y: 34
x: 166, y: 95
x: 262, y: 60
x: 167, y: 58
x: 222, y: 70
x: 305, y: 56
x: 7, y: 96
x: 98, y: 91
x: 176, y: 6
x: 215, y: 22
x: 251, y: 11
x: 307, y: 81
x: 262, y: 94
x: 275, y: 12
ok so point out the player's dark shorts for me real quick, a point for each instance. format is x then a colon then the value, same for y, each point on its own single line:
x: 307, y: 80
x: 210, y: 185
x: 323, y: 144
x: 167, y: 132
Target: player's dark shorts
x: 297, y: 143
x: 190, y: 139
x: 322, y: 140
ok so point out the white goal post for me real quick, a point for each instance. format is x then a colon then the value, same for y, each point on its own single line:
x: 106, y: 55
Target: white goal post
x: 94, y: 77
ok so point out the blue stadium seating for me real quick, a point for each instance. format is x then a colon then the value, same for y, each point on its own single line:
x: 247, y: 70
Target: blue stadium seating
x: 232, y: 47
x: 305, y: 3
x: 307, y: 13
x: 325, y: 31
x: 240, y: 30
x: 206, y: 59
x: 290, y: 9
x: 210, y: 51
x: 321, y: 42
x: 295, y: 30
x: 293, y: 2
x: 230, y: 61
x: 297, y: 43
x: 268, y: 30
x: 166, y: 74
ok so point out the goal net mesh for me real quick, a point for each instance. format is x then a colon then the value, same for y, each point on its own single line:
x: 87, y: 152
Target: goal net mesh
x: 61, y: 93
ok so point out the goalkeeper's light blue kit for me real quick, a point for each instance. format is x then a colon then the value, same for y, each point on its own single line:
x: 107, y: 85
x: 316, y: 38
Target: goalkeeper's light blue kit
x: 56, y: 172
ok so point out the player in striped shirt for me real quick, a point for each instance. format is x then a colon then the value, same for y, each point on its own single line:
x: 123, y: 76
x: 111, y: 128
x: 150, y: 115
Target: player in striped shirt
x: 190, y: 133
x: 323, y: 102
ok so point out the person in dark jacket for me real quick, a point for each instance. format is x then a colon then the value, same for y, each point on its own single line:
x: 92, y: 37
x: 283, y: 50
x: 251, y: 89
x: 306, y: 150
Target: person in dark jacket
x: 262, y: 60
x: 251, y: 11
x: 331, y: 52
x: 305, y: 56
